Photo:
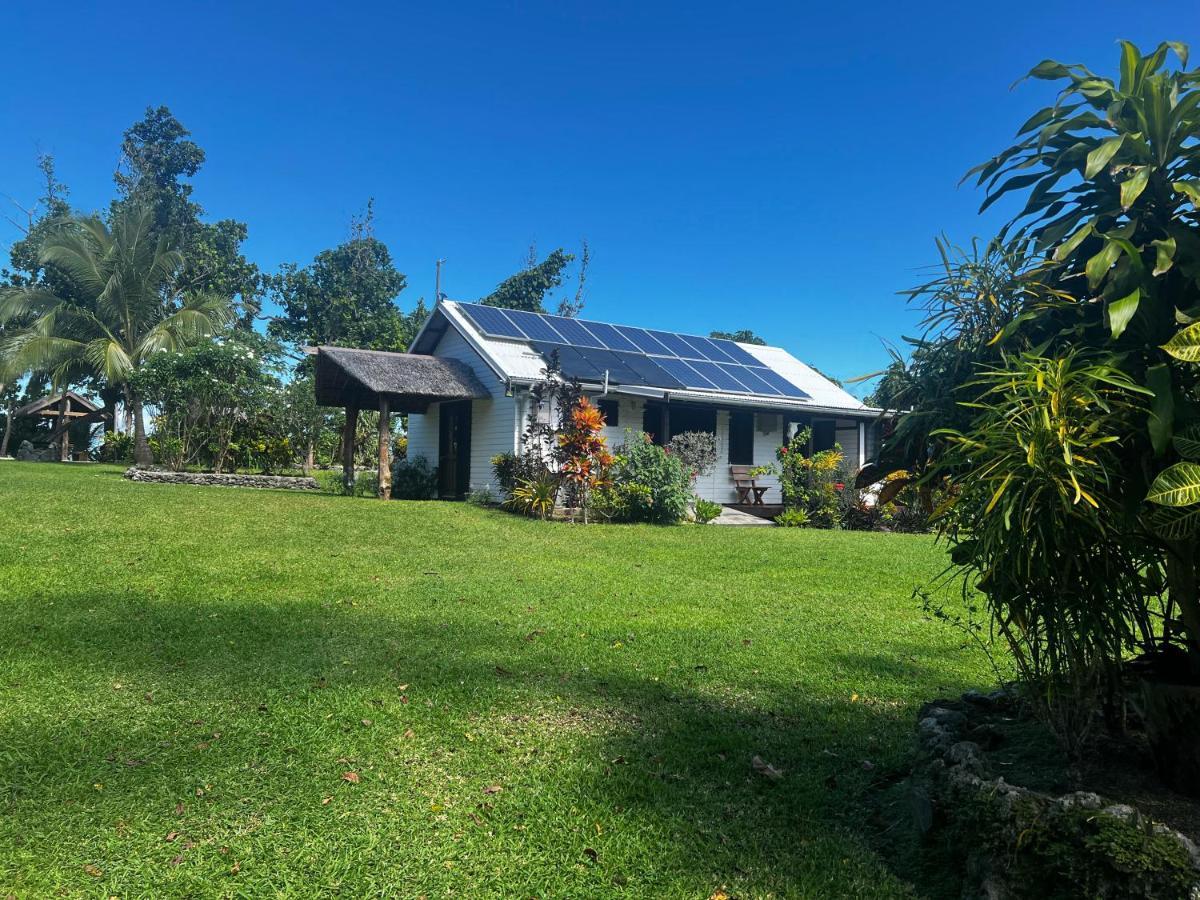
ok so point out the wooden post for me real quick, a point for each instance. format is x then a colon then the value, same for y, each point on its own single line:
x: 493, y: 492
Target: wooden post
x: 385, y: 450
x: 348, y: 431
x: 64, y: 429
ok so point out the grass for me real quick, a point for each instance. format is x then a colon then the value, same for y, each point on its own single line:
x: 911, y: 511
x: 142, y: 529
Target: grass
x: 211, y: 691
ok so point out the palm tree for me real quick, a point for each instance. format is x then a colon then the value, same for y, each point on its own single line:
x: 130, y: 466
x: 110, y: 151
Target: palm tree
x: 127, y: 304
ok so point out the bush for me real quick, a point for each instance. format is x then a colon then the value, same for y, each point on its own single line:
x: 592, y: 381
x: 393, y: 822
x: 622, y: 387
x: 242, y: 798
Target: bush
x: 697, y: 450
x: 512, y: 469
x: 705, y: 511
x: 116, y: 448
x: 642, y: 463
x: 792, y: 518
x: 536, y: 496
x: 414, y: 479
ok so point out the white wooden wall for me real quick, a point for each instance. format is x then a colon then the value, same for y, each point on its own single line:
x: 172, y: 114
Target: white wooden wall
x: 495, y: 425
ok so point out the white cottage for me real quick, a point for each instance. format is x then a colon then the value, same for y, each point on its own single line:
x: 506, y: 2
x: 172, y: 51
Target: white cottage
x: 751, y: 397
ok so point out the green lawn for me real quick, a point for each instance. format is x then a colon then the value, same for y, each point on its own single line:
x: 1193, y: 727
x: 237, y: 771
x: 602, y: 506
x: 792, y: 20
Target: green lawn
x: 187, y: 675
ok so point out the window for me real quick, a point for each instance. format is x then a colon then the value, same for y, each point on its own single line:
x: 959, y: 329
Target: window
x: 823, y: 434
x: 741, y: 438
x: 609, y: 409
x: 692, y: 418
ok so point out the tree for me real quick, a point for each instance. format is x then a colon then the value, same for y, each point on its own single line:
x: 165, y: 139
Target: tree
x: 1092, y: 401
x: 132, y: 306
x: 346, y: 297
x: 158, y: 159
x: 745, y: 336
x: 530, y: 288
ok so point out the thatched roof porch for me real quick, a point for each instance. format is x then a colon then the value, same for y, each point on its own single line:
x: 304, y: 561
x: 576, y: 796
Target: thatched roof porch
x: 391, y: 383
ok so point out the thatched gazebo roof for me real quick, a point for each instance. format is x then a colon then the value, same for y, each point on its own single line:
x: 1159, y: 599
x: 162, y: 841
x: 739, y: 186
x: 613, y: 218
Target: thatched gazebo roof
x: 408, y: 381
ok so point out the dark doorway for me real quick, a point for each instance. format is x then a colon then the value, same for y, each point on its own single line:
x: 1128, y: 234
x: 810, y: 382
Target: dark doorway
x: 454, y: 450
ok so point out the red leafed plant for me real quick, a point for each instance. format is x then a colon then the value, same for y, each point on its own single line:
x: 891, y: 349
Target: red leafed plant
x: 586, y: 460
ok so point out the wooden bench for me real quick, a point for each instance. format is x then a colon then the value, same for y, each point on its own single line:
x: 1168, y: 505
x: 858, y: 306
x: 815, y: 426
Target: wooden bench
x: 747, y: 486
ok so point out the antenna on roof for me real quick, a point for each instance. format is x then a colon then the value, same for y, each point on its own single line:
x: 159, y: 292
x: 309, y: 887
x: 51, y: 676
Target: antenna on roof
x: 438, y: 296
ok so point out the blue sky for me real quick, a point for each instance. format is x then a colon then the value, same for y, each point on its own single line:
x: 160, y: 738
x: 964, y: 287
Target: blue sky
x: 777, y: 167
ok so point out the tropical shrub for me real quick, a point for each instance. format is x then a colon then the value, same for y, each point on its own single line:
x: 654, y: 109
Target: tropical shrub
x: 536, y: 496
x: 792, y: 518
x: 640, y: 461
x: 704, y: 511
x: 117, y: 447
x: 414, y: 479
x: 512, y: 468
x: 810, y: 482
x: 1080, y: 427
x: 584, y: 451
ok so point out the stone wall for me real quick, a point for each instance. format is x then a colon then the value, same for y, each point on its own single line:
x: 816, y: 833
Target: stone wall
x: 283, y: 482
x: 1017, y: 842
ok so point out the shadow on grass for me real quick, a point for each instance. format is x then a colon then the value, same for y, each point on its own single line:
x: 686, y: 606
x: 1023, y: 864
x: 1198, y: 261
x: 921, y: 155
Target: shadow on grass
x: 132, y: 687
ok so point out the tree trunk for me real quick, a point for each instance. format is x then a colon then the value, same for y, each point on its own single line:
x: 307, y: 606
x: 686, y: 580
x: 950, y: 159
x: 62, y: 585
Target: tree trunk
x: 143, y: 458
x: 60, y: 428
x: 309, y: 459
x: 348, y: 432
x: 8, y: 423
x: 385, y: 450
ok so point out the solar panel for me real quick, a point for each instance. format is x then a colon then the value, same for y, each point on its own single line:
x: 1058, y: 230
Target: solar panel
x: 649, y: 372
x: 635, y: 356
x: 574, y: 332
x: 685, y: 373
x: 574, y: 365
x: 778, y: 382
x: 736, y: 353
x: 536, y: 328
x: 747, y: 376
x: 676, y: 345
x: 618, y: 372
x: 718, y: 376
x: 612, y: 338
x: 700, y: 348
x: 715, y: 353
x: 643, y: 340
x: 492, y: 321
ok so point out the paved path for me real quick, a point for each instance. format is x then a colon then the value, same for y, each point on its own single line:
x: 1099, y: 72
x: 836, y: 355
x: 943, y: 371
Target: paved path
x: 736, y: 517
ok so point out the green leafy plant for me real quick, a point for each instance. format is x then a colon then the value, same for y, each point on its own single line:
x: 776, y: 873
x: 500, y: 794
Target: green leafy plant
x: 793, y: 518
x: 704, y: 511
x: 414, y: 479
x: 640, y: 461
x: 537, y: 496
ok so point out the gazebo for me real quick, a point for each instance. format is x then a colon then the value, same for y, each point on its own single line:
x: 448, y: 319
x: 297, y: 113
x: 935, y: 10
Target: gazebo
x: 66, y: 409
x: 392, y: 383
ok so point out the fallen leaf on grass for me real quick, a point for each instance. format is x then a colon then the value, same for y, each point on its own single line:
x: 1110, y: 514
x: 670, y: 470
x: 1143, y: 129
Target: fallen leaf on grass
x: 719, y: 894
x: 493, y: 789
x: 325, y: 801
x: 176, y: 860
x: 765, y: 769
x: 94, y: 870
x: 171, y: 836
x: 409, y: 733
x: 367, y: 723
x: 235, y: 868
x: 351, y: 777
x: 591, y: 854
x: 179, y: 809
